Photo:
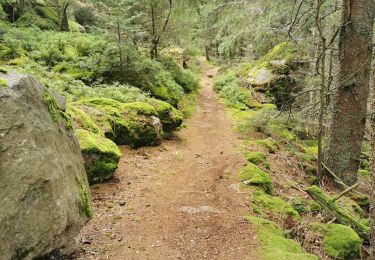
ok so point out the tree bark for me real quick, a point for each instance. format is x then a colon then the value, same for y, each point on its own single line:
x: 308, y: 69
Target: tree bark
x: 207, y: 52
x: 372, y: 145
x: 349, y: 113
x: 64, y: 24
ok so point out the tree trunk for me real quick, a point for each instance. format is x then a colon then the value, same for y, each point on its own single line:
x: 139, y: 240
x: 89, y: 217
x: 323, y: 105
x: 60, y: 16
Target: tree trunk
x: 119, y: 42
x: 64, y: 24
x: 207, y: 52
x: 372, y: 145
x: 343, y: 148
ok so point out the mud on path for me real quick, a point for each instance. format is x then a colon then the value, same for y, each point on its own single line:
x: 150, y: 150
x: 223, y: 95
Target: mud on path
x: 178, y: 200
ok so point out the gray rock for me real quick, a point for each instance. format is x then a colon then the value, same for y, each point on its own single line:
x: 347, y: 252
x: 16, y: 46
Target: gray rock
x: 44, y: 192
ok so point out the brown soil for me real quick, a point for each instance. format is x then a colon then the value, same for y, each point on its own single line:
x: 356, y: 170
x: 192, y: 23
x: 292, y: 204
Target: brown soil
x: 178, y: 200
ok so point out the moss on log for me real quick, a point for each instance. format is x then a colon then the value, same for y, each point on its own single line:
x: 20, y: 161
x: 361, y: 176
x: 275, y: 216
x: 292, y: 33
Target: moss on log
x: 341, y: 215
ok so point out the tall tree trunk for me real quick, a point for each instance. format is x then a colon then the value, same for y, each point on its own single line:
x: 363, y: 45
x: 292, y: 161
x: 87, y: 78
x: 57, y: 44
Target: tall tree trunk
x: 119, y: 42
x: 64, y: 24
x: 207, y: 52
x: 372, y: 145
x: 343, y: 148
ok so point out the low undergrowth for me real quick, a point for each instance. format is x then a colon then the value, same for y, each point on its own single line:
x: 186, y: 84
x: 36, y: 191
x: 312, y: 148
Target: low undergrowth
x: 281, y: 165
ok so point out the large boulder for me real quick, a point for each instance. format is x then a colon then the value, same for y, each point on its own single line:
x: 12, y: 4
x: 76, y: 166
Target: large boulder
x: 275, y: 73
x: 44, y: 192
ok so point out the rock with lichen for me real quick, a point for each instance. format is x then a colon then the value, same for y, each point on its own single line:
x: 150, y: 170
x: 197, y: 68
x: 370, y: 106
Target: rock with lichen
x: 43, y: 184
x: 272, y: 73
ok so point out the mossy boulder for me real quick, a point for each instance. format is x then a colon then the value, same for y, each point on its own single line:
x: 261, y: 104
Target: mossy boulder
x: 170, y: 117
x: 252, y: 175
x: 271, y: 73
x: 134, y: 124
x: 339, y: 241
x: 100, y: 154
x: 273, y: 243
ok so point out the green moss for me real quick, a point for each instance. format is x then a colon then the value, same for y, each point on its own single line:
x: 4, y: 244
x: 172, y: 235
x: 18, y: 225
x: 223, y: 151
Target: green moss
x: 315, y: 207
x: 283, y: 51
x: 85, y: 199
x: 351, y: 206
x: 101, y: 155
x: 187, y: 104
x: 57, y: 115
x: 273, y: 243
x: 300, y: 205
x: 275, y: 205
x: 170, y: 117
x: 29, y: 19
x: 268, y: 143
x: 82, y: 119
x: 134, y: 124
x: 339, y: 241
x: 285, y: 134
x: 341, y: 214
x: 3, y: 83
x: 254, y: 176
x: 364, y: 173
x: 257, y: 158
x: 4, y: 70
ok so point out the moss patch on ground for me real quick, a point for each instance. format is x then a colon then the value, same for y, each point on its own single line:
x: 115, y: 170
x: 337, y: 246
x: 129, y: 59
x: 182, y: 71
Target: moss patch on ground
x: 101, y: 155
x: 274, y: 245
x: 257, y: 158
x: 268, y: 143
x: 252, y: 175
x: 275, y: 205
x: 339, y: 241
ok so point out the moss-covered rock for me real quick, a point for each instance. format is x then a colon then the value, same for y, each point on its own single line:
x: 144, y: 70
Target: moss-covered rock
x: 101, y: 155
x: 270, y: 73
x: 170, y: 117
x: 134, y: 124
x: 82, y: 120
x: 275, y: 205
x: 273, y: 243
x: 339, y: 241
x: 252, y: 175
x: 257, y: 158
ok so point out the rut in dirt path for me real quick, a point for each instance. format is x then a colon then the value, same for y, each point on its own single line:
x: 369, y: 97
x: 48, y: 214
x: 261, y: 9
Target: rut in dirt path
x: 176, y: 201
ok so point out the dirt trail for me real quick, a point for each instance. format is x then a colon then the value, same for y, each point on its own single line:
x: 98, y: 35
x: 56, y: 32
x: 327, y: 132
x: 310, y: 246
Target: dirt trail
x: 178, y: 200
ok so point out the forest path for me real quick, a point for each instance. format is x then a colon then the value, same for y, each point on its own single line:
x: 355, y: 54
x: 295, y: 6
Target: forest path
x: 178, y: 200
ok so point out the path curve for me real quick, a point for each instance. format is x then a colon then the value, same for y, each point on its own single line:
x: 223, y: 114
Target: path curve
x: 178, y: 200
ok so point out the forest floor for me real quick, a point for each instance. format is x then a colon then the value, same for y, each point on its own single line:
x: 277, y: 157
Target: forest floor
x: 179, y: 200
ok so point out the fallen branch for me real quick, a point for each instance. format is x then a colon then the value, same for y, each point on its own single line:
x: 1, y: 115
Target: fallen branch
x: 344, y: 192
x: 342, y: 216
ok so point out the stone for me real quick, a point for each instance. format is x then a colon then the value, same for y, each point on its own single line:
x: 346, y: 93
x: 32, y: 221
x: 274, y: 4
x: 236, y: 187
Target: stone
x: 45, y: 199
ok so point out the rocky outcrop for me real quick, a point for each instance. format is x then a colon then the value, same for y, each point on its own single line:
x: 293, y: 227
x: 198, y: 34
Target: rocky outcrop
x: 274, y: 73
x: 43, y: 185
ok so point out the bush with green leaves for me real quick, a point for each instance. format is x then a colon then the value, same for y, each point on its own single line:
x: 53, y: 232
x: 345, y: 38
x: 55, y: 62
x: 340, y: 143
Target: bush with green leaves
x: 92, y: 59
